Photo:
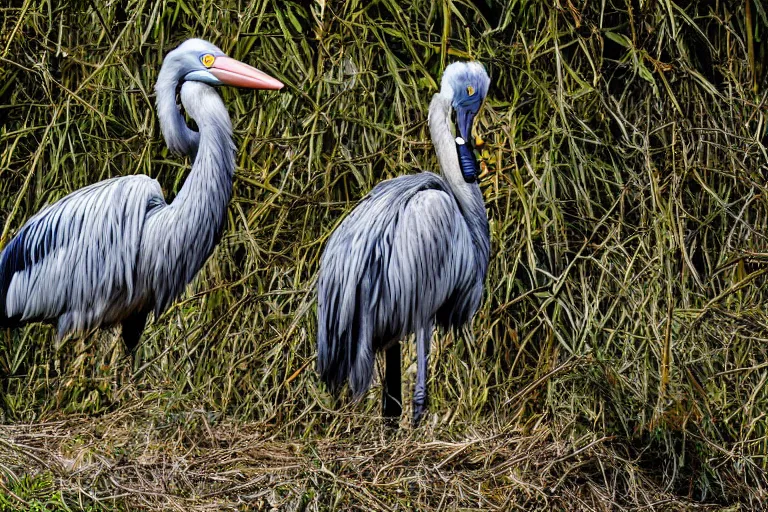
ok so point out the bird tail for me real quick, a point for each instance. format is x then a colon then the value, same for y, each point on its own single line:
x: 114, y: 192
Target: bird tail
x: 11, y: 260
x: 345, y: 349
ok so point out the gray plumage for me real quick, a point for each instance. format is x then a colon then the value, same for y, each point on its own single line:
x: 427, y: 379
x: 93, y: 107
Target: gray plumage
x: 413, y: 253
x: 114, y: 251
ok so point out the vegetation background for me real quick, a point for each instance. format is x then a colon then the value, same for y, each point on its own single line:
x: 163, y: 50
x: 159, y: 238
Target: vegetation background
x: 620, y: 357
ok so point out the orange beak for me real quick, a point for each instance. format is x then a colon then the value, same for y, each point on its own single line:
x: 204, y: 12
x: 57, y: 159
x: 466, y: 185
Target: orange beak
x: 233, y: 72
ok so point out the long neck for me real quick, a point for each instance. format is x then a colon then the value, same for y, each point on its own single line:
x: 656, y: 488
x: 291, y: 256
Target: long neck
x: 468, y: 195
x: 209, y: 184
x: 196, y: 216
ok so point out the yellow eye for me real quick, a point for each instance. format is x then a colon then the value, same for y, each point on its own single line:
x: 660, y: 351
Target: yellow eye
x: 470, y: 90
x: 207, y: 60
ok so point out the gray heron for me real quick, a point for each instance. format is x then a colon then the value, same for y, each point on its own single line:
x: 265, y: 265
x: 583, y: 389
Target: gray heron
x: 414, y: 252
x: 113, y: 251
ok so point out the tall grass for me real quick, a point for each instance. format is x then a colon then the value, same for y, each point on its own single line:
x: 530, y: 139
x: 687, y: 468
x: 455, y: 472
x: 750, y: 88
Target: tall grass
x: 619, y: 359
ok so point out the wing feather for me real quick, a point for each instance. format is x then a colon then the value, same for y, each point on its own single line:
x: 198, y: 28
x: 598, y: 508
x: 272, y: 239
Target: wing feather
x: 76, y: 258
x: 387, y: 267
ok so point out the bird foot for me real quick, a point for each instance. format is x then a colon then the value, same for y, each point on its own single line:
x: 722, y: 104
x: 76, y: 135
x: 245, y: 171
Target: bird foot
x: 418, y: 413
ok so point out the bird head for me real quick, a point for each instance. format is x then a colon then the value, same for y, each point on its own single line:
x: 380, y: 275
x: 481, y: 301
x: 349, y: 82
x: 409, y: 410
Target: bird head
x: 465, y: 84
x: 200, y: 61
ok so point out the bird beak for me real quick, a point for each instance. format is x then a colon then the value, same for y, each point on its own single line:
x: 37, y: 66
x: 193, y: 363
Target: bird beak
x: 233, y: 72
x: 469, y: 167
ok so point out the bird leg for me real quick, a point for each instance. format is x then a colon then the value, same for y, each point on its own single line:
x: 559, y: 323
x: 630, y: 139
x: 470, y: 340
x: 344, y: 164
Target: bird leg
x: 133, y: 326
x: 391, y: 392
x: 423, y: 338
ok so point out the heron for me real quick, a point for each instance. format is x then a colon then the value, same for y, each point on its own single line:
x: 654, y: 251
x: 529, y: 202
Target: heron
x: 112, y: 252
x: 413, y: 253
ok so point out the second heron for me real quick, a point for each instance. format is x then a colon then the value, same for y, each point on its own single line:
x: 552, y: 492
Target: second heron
x: 413, y: 253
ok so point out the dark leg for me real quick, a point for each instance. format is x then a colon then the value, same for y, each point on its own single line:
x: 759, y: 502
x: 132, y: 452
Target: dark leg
x: 133, y: 326
x: 392, y: 396
x: 423, y: 338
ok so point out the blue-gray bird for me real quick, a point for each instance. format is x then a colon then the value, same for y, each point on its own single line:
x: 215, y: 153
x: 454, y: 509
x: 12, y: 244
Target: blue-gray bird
x: 413, y: 253
x: 112, y: 252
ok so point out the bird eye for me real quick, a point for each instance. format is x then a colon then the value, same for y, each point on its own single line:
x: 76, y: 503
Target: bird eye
x: 470, y: 90
x: 207, y: 59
